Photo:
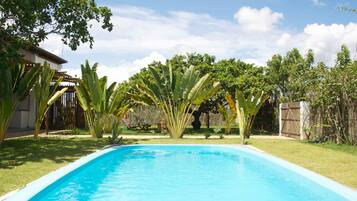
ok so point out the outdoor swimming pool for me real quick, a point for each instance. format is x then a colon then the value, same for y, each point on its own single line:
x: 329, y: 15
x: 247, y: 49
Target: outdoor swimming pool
x: 183, y: 172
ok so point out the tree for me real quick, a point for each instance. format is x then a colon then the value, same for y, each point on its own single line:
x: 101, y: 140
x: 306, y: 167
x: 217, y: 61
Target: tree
x: 97, y: 100
x: 234, y: 74
x: 45, y: 94
x: 32, y: 21
x: 247, y: 107
x: 26, y: 23
x: 176, y: 93
x: 278, y: 74
x: 15, y: 85
x: 290, y: 75
x: 334, y: 92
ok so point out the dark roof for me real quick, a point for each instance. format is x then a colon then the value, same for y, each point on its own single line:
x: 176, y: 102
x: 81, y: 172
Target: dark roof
x: 65, y: 77
x: 48, y: 55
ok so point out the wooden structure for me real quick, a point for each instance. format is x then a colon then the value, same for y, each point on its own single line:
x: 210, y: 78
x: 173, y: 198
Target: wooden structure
x: 293, y: 119
x: 66, y: 113
x: 300, y: 121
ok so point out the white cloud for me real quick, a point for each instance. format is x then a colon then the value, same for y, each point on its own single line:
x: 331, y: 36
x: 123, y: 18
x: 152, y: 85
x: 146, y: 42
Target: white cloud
x: 261, y: 20
x: 318, y: 3
x: 141, y: 35
x: 326, y: 40
x: 284, y: 39
x: 123, y: 70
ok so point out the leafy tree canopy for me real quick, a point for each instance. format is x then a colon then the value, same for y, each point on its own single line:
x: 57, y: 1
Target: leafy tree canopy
x: 291, y: 75
x: 28, y: 22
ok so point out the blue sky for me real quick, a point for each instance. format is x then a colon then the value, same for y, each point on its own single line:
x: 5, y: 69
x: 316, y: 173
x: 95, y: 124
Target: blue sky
x: 297, y: 13
x: 147, y: 30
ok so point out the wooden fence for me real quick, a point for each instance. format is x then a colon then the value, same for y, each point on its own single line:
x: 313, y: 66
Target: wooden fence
x: 299, y: 120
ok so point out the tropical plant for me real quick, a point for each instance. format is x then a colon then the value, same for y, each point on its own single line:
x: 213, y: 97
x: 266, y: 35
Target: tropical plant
x: 15, y: 86
x: 178, y: 94
x: 45, y: 94
x: 115, y: 130
x: 97, y: 100
x: 247, y: 107
x: 229, y: 114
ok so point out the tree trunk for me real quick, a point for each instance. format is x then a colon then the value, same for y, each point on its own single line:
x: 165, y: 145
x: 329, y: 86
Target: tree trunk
x: 2, y: 136
x: 46, y: 123
x: 242, y: 132
x: 36, y: 132
x: 3, y: 131
x: 207, y: 120
x: 196, y: 124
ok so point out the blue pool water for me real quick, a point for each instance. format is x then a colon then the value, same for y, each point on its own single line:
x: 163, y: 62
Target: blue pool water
x: 184, y: 173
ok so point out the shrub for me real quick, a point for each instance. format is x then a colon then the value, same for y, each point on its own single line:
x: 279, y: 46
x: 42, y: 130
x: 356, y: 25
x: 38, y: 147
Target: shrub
x: 218, y: 131
x: 207, y: 135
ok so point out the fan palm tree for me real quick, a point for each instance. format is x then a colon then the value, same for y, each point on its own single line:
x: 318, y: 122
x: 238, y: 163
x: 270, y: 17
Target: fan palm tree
x: 97, y: 100
x: 45, y: 94
x: 176, y: 93
x: 247, y: 107
x: 15, y: 85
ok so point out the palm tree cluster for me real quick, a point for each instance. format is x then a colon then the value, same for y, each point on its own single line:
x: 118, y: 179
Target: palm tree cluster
x: 176, y: 89
x: 178, y: 94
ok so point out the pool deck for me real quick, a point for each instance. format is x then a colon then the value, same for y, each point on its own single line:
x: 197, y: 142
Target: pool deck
x: 29, y: 132
x: 139, y: 137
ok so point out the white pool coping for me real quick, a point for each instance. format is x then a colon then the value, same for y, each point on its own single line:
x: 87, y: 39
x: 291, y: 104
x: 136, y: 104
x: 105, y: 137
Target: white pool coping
x: 35, y: 187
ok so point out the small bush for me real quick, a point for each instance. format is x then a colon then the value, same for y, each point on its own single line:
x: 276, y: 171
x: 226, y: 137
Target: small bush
x: 218, y: 131
x: 207, y: 135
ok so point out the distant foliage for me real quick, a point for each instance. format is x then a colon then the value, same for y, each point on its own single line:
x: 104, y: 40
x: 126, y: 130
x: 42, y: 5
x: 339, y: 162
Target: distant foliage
x: 331, y: 91
x: 335, y: 93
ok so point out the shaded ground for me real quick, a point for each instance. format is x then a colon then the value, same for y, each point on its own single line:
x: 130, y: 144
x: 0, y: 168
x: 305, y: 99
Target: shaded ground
x: 23, y: 160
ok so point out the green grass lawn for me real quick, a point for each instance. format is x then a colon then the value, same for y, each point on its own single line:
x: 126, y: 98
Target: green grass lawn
x: 23, y: 160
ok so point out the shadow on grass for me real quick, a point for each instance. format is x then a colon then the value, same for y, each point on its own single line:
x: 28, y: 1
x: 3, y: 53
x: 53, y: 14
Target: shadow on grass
x: 16, y: 152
